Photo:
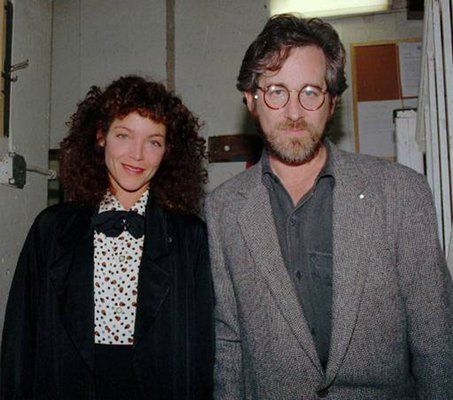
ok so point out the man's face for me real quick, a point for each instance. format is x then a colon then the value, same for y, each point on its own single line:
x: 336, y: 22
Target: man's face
x: 292, y: 134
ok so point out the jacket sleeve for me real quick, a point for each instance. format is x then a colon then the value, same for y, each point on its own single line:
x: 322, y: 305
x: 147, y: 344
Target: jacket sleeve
x: 228, y: 373
x: 428, y: 292
x: 19, y: 332
x: 204, y: 302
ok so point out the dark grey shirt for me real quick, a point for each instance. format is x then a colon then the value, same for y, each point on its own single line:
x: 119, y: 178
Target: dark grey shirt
x: 305, y: 237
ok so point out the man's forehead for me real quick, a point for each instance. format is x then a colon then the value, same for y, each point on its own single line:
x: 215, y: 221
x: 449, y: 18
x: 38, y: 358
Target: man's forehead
x: 307, y: 63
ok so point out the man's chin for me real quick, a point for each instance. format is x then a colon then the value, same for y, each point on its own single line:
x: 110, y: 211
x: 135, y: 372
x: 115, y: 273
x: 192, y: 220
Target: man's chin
x: 298, y: 154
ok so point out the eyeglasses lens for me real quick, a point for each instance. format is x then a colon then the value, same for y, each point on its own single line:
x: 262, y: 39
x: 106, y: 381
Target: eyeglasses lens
x: 310, y: 97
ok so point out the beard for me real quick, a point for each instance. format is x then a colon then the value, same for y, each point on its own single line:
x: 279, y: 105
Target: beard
x: 294, y: 150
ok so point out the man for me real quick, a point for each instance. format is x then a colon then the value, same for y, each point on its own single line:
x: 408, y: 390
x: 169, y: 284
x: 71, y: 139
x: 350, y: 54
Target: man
x: 329, y: 278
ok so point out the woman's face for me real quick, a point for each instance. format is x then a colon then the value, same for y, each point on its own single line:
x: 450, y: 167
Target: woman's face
x: 134, y: 148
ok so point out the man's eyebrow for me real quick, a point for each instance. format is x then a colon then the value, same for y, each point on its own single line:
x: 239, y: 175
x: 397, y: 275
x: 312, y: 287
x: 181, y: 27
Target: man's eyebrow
x: 318, y: 85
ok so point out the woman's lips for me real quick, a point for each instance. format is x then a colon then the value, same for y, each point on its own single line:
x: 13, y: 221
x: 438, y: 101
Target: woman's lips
x: 131, y: 168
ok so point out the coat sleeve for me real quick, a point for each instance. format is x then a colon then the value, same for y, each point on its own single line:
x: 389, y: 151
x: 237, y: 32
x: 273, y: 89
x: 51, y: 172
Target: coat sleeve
x: 428, y: 292
x: 204, y: 302
x: 228, y: 373
x: 19, y: 332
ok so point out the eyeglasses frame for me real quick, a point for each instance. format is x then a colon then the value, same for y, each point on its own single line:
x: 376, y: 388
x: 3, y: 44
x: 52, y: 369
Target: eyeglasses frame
x: 265, y: 90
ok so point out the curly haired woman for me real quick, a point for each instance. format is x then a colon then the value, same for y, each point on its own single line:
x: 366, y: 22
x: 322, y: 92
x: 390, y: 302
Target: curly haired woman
x: 112, y: 294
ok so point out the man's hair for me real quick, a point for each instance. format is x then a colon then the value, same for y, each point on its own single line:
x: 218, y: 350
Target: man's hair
x: 177, y: 184
x: 280, y: 35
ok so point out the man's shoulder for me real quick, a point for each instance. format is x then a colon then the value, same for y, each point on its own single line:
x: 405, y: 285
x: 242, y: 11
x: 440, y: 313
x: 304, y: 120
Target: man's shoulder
x: 376, y: 168
x: 241, y: 182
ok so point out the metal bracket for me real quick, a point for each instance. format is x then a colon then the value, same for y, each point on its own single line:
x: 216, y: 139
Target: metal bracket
x: 14, y: 68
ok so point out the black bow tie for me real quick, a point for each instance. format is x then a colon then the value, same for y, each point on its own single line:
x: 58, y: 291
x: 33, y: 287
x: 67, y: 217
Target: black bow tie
x: 112, y: 223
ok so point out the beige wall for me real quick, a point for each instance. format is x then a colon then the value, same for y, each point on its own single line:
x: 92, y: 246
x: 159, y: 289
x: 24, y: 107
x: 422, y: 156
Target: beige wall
x: 29, y: 128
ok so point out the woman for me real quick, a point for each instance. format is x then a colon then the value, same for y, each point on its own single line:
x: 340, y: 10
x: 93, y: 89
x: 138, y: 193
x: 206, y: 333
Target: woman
x: 112, y: 297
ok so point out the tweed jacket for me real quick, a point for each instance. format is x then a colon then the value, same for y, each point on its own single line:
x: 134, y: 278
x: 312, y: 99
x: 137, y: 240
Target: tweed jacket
x: 48, y: 337
x: 392, y: 305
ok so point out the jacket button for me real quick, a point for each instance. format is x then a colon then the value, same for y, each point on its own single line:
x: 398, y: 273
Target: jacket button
x: 322, y: 392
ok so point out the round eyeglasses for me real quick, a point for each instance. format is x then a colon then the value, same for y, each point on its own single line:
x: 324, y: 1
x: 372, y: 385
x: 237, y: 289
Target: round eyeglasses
x: 310, y: 97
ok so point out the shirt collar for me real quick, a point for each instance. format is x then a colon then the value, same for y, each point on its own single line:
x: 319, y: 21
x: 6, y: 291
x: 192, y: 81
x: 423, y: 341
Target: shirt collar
x: 111, y: 203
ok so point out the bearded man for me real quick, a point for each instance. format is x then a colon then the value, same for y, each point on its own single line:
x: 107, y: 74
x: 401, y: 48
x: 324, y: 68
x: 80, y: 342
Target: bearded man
x: 328, y: 274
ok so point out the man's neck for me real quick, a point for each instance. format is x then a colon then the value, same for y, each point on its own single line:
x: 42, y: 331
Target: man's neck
x: 299, y: 179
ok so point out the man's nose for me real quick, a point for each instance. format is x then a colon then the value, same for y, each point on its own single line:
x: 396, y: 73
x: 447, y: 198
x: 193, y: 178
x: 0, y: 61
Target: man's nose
x: 294, y: 110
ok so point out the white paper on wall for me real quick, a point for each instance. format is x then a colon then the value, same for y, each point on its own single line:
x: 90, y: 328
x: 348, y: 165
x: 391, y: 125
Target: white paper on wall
x: 376, y: 129
x: 410, y: 54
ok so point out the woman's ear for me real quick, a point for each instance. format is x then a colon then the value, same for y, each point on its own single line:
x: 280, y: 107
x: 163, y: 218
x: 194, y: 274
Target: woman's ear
x: 100, y: 138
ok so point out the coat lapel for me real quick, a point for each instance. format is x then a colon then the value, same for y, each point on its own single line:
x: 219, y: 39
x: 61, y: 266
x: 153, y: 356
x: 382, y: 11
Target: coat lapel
x: 258, y: 227
x: 72, y: 277
x: 354, y: 216
x: 155, y: 273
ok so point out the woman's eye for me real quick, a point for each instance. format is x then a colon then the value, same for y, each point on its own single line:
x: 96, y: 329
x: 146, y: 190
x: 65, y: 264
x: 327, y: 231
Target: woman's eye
x: 121, y: 135
x: 156, y: 143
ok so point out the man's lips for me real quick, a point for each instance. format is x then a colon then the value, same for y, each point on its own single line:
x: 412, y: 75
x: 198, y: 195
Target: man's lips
x: 294, y: 128
x: 133, y: 169
x: 294, y: 131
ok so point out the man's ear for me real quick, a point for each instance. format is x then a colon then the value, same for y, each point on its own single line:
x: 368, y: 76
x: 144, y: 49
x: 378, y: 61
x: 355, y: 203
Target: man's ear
x: 100, y: 138
x: 250, y: 100
x: 333, y: 104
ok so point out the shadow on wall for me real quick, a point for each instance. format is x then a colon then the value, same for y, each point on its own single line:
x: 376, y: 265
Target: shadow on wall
x: 335, y: 128
x: 248, y: 126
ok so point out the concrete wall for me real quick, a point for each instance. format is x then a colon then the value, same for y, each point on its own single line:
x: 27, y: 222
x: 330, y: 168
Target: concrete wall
x: 30, y: 131
x: 211, y: 39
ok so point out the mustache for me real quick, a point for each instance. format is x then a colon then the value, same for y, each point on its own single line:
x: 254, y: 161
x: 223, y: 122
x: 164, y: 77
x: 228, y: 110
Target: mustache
x: 294, y: 125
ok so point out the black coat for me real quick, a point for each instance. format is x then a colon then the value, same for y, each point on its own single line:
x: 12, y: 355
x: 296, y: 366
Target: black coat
x: 48, y: 338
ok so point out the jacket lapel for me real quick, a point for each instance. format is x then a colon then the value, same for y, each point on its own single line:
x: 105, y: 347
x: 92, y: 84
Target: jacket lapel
x: 258, y: 227
x: 72, y: 277
x: 354, y: 228
x: 155, y: 273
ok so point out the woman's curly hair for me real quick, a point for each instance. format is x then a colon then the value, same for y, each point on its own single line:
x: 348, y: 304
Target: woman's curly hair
x: 178, y: 184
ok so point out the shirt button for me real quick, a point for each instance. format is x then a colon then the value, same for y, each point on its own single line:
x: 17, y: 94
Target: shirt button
x: 118, y: 310
x: 122, y: 258
x: 298, y: 274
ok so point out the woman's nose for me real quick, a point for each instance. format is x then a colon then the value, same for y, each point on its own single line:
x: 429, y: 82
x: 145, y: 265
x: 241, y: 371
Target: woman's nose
x: 137, y: 150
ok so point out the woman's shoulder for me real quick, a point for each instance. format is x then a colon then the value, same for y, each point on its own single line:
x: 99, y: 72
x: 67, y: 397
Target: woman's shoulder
x: 62, y: 214
x: 63, y: 210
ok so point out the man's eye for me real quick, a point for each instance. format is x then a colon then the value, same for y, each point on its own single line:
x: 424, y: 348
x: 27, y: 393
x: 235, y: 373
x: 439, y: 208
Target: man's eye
x: 311, y: 92
x: 277, y: 91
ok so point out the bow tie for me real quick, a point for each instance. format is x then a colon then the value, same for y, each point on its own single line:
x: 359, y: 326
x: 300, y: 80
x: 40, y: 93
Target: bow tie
x: 112, y: 223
